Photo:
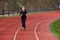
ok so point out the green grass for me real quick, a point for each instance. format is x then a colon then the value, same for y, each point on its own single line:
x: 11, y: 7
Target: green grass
x: 55, y: 28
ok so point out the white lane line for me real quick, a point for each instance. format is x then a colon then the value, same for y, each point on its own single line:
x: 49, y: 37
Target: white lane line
x: 15, y: 35
x: 7, y: 26
x: 35, y: 31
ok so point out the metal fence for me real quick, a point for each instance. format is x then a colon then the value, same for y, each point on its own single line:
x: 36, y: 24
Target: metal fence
x: 17, y: 12
x: 9, y: 12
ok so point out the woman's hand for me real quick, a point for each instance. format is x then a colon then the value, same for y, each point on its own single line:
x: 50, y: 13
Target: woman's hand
x: 21, y: 14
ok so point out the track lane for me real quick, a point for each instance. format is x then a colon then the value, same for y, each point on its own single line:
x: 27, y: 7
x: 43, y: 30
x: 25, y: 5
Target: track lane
x: 27, y: 34
x: 43, y: 31
x: 7, y: 22
x: 15, y: 35
x: 7, y: 34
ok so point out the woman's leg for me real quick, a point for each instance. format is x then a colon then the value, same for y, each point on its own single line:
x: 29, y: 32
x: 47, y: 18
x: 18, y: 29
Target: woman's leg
x: 23, y: 19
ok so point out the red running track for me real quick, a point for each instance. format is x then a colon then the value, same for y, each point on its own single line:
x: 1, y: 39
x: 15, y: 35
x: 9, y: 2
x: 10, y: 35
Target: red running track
x: 37, y: 27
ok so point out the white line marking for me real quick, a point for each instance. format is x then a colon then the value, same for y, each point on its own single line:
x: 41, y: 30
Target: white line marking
x: 35, y: 31
x: 6, y: 26
x: 15, y: 35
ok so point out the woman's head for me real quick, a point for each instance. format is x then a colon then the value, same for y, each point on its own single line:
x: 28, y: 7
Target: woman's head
x: 23, y: 9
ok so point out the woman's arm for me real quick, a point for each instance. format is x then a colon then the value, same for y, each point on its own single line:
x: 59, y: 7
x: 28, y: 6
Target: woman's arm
x: 20, y: 13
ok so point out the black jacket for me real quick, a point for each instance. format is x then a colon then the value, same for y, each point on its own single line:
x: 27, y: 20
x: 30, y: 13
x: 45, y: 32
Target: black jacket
x: 23, y: 12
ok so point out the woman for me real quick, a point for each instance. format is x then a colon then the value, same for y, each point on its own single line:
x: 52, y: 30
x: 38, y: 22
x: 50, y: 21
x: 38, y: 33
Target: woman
x: 23, y: 17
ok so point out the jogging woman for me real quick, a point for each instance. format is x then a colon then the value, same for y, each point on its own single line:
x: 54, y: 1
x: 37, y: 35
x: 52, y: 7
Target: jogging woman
x: 23, y: 17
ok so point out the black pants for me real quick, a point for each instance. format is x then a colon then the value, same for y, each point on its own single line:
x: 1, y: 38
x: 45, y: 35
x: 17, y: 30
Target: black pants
x: 23, y: 20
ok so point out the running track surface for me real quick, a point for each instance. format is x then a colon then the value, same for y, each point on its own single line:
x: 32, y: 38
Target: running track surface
x: 37, y: 27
